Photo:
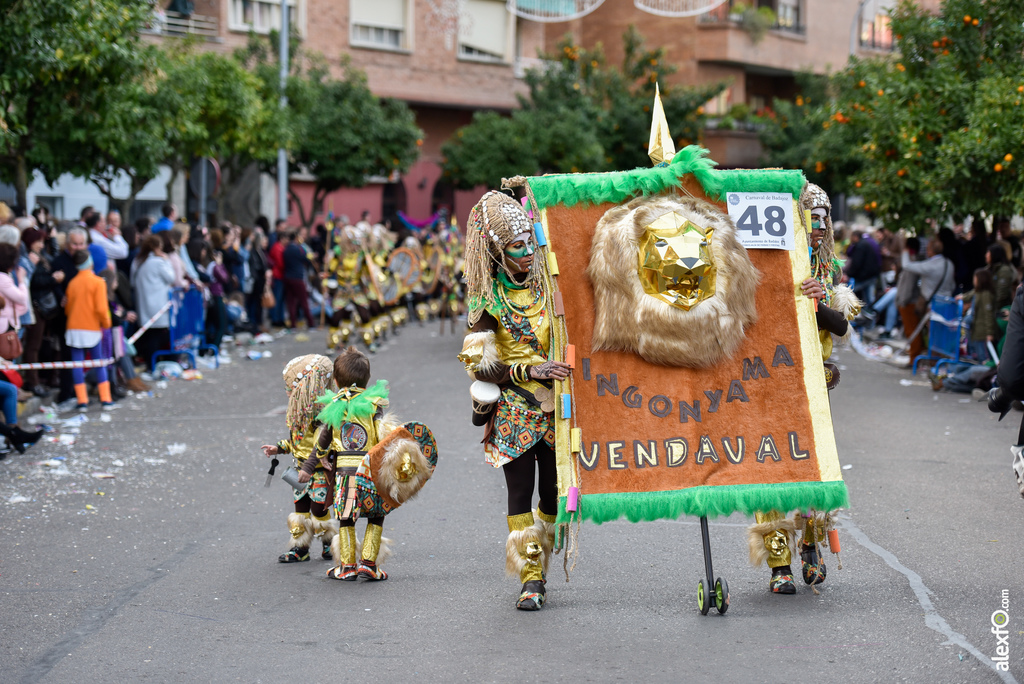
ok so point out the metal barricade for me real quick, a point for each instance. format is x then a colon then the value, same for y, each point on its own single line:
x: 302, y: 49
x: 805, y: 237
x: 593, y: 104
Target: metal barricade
x: 944, y: 319
x: 187, y: 326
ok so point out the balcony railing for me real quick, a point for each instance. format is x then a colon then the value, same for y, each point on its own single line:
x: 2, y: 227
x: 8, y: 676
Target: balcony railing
x: 167, y: 23
x: 723, y: 14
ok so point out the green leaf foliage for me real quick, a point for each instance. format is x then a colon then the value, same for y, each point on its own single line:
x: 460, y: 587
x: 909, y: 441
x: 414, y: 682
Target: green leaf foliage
x: 580, y: 115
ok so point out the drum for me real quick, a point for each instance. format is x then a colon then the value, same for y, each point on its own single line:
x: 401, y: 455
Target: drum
x: 485, y: 395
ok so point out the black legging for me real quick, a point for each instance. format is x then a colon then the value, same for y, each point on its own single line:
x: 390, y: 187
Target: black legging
x: 369, y: 521
x: 519, y: 478
x: 307, y: 505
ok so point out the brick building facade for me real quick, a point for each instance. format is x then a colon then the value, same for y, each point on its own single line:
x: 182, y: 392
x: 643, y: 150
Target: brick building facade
x: 446, y: 66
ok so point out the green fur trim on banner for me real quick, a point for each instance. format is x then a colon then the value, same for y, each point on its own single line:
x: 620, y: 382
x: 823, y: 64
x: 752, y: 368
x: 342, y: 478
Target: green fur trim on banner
x: 352, y: 403
x: 620, y: 186
x: 710, y: 501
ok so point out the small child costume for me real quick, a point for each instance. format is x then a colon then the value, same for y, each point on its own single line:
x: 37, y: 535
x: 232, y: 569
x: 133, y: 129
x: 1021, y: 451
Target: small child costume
x: 305, y: 379
x: 376, y: 465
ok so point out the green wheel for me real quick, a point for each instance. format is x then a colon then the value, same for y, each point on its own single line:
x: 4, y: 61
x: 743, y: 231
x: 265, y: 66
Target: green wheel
x: 703, y: 600
x: 721, y: 595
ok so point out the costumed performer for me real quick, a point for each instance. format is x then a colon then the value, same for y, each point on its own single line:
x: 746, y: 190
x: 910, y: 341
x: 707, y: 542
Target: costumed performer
x: 773, y: 535
x: 305, y: 379
x: 509, y: 345
x: 375, y: 464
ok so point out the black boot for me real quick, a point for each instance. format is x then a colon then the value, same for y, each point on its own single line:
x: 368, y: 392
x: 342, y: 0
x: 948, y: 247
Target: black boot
x: 19, y: 438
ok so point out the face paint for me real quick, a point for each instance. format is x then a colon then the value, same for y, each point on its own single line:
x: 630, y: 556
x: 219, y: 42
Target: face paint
x: 815, y: 224
x: 519, y: 249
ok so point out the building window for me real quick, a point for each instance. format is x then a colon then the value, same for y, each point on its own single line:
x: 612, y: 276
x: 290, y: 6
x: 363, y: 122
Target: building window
x: 876, y: 33
x: 788, y: 14
x: 486, y: 31
x: 262, y: 16
x: 380, y: 24
x: 54, y: 204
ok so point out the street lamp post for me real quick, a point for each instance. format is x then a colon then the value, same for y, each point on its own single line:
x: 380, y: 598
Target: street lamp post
x: 282, y: 156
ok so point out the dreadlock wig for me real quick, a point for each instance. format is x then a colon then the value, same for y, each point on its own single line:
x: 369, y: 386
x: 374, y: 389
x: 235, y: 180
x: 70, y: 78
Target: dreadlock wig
x: 305, y: 378
x: 494, y: 223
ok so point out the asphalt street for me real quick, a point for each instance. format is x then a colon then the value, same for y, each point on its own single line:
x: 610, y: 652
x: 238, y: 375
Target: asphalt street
x: 168, y: 572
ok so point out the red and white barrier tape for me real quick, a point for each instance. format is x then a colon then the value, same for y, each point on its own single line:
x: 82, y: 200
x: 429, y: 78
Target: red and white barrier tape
x: 92, y: 363
x: 151, y: 321
x: 58, y: 365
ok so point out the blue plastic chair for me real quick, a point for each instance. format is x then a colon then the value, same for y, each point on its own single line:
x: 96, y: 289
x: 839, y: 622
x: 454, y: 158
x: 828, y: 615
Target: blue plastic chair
x: 943, y: 332
x: 187, y: 326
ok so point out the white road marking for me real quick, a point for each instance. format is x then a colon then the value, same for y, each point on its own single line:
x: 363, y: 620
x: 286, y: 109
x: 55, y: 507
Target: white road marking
x: 932, y: 619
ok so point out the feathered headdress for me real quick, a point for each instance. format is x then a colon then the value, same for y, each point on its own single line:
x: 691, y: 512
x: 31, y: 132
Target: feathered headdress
x: 305, y: 378
x: 494, y: 222
x: 350, y: 403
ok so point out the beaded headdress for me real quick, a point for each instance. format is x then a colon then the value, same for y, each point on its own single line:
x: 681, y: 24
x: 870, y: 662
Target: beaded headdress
x: 493, y: 224
x: 305, y: 378
x: 813, y: 197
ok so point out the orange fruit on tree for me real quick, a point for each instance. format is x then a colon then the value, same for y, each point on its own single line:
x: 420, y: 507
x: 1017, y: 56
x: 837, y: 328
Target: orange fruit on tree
x: 997, y: 168
x: 880, y: 92
x: 967, y: 18
x: 1008, y: 157
x: 935, y: 43
x: 858, y: 184
x: 1020, y: 89
x: 862, y: 84
x: 974, y: 22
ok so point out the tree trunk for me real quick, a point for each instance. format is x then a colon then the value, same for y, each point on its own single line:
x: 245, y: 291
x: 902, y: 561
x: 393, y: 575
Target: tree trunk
x: 298, y: 203
x: 21, y: 181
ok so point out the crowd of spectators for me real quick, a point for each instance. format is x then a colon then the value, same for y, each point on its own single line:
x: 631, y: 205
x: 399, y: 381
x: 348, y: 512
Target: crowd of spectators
x: 75, y: 290
x: 898, y: 277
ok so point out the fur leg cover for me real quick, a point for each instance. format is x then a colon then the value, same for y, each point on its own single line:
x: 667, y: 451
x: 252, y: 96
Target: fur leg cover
x: 384, y: 552
x: 326, y: 529
x: 301, y: 528
x: 527, y: 551
x: 760, y: 537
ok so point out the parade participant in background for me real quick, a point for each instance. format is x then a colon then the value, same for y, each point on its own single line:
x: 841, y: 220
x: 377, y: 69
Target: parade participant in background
x: 376, y: 464
x: 349, y: 302
x: 772, y: 536
x: 88, y: 315
x: 509, y: 345
x: 305, y: 379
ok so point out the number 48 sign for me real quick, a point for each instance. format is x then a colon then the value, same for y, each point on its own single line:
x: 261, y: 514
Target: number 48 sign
x: 764, y: 220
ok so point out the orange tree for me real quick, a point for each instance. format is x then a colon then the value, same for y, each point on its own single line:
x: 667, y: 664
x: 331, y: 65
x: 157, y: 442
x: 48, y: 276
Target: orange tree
x: 933, y: 130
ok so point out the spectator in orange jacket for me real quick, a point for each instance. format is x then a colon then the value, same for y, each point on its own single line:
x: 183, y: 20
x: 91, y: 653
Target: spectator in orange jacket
x: 88, y: 313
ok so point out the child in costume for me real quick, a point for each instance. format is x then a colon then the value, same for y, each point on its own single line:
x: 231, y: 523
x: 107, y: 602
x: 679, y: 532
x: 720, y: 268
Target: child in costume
x: 374, y: 464
x: 305, y: 379
x: 773, y: 535
x: 509, y: 345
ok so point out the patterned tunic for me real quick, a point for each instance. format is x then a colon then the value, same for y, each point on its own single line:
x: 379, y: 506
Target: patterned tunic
x: 523, y: 336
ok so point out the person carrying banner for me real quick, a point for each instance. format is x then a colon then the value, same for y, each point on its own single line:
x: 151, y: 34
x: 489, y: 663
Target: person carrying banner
x: 509, y: 345
x: 773, y: 535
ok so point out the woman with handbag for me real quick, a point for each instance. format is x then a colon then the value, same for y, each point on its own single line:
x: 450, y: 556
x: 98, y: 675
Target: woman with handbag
x: 16, y: 301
